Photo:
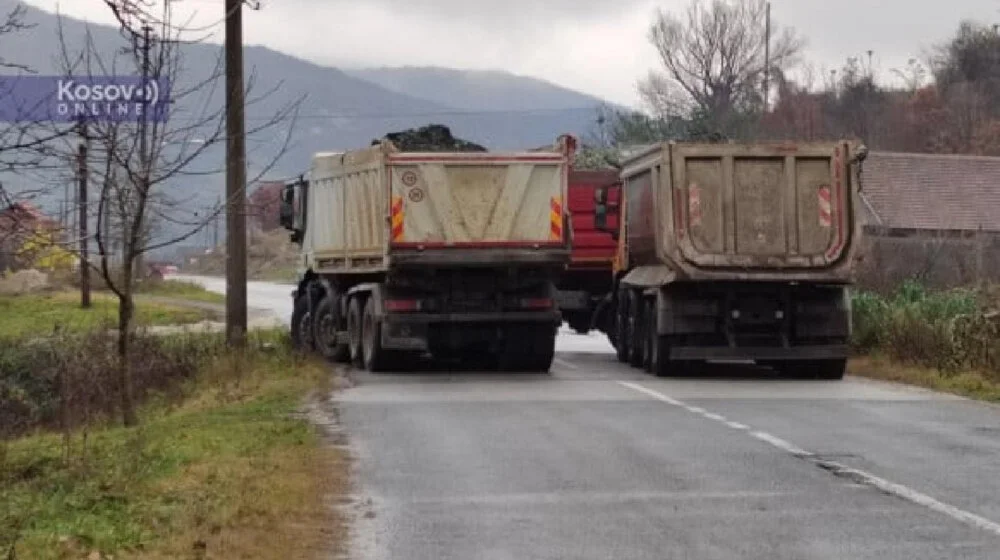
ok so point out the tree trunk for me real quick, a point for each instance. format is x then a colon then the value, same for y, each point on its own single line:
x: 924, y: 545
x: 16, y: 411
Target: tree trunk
x: 125, y: 312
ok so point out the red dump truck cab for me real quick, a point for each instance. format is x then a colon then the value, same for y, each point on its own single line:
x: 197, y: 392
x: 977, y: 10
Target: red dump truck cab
x: 589, y: 275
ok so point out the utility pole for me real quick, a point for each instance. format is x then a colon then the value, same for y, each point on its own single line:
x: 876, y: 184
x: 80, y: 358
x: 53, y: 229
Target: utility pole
x: 215, y: 227
x: 138, y: 239
x: 83, y: 171
x: 767, y: 56
x: 236, y: 226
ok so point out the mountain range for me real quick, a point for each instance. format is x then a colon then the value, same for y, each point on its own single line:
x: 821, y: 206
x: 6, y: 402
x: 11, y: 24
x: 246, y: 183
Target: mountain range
x: 339, y: 109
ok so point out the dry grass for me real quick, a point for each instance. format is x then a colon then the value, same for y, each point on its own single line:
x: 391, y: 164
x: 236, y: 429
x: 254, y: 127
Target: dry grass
x: 227, y: 471
x: 967, y: 384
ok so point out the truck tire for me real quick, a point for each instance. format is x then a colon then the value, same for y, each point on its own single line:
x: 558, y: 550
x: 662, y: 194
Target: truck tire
x: 354, y: 331
x: 579, y: 323
x: 621, y: 326
x: 375, y: 357
x: 301, y: 327
x: 652, y: 339
x: 636, y: 339
x: 529, y: 349
x: 325, y: 325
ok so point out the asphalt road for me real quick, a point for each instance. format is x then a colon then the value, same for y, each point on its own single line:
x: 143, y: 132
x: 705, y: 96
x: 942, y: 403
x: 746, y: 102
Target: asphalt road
x: 596, y: 460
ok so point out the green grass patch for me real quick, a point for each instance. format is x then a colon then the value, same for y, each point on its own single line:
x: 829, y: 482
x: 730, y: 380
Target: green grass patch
x: 41, y: 314
x: 181, y: 290
x: 223, y: 471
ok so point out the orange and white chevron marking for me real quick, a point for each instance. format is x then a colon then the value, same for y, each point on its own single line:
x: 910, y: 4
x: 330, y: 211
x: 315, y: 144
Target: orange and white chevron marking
x: 556, y: 219
x: 825, y: 208
x: 397, y: 218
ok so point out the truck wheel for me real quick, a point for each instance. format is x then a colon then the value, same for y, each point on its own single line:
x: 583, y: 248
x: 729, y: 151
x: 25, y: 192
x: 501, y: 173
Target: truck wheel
x: 376, y: 359
x: 302, y: 326
x: 579, y: 324
x: 621, y: 326
x: 354, y: 331
x: 324, y: 328
x: 652, y: 339
x: 529, y: 349
x: 636, y: 338
x: 541, y: 351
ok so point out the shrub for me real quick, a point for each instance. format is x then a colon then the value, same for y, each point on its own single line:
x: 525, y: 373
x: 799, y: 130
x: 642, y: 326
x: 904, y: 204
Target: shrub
x: 946, y: 330
x: 71, y: 380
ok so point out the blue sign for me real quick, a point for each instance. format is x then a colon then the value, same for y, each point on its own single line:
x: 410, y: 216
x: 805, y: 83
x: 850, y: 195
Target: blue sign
x: 69, y: 99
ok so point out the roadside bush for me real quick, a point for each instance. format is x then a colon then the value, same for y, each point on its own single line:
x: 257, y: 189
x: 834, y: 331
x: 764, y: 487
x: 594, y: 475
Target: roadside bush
x: 946, y: 330
x: 70, y: 381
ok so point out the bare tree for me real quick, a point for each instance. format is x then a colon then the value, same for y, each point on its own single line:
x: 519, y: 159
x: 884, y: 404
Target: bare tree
x: 133, y: 165
x: 713, y: 60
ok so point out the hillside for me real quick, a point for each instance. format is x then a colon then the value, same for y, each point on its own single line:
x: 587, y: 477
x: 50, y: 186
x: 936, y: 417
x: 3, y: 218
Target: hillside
x: 476, y: 90
x: 339, y: 110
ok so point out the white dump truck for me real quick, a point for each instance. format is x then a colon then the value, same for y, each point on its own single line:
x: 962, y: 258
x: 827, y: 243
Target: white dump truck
x: 449, y: 253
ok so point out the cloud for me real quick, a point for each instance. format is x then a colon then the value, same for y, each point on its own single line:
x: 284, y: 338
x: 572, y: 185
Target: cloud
x: 596, y: 46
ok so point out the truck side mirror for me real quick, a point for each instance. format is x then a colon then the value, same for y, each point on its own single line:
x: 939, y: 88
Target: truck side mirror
x: 286, y: 212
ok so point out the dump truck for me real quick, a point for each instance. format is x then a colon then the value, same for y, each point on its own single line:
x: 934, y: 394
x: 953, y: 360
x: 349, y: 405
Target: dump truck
x: 407, y: 253
x: 587, y: 279
x: 734, y: 252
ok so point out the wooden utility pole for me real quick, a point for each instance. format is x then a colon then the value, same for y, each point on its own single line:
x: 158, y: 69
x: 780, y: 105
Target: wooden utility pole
x: 767, y: 56
x: 83, y: 171
x: 236, y: 226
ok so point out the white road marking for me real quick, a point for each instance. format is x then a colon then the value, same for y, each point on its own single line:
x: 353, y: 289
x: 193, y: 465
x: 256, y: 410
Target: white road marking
x: 651, y: 393
x: 780, y: 444
x: 564, y: 363
x: 840, y: 470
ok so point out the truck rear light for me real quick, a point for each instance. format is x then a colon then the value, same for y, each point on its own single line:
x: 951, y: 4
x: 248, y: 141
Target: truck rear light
x: 536, y: 303
x: 396, y: 305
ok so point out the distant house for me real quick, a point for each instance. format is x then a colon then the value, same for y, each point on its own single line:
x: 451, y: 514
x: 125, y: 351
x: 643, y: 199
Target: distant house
x: 18, y: 222
x: 932, y: 217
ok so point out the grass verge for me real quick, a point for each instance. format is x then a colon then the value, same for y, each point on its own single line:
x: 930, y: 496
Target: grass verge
x: 180, y: 289
x: 41, y: 314
x: 223, y: 471
x: 967, y: 384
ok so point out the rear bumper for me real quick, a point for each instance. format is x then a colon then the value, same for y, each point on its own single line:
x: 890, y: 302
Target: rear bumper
x: 553, y: 317
x: 478, y: 257
x: 824, y: 352
x: 414, y: 331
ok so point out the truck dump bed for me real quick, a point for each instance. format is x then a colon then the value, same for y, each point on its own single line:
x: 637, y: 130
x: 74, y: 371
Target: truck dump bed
x: 739, y: 211
x: 372, y: 208
x: 592, y: 248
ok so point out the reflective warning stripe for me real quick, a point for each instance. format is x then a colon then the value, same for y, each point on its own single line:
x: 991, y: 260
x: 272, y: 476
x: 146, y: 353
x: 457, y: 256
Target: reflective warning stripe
x: 397, y: 218
x: 556, y: 219
x: 694, y: 205
x: 825, y: 210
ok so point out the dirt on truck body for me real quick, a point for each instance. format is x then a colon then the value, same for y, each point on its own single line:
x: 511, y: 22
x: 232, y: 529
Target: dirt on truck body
x: 454, y: 253
x: 735, y: 252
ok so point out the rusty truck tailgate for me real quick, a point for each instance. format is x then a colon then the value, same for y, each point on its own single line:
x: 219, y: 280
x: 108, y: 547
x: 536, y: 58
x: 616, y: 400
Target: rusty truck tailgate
x: 761, y: 205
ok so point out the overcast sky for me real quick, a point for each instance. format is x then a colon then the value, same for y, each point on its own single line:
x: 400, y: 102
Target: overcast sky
x: 595, y: 46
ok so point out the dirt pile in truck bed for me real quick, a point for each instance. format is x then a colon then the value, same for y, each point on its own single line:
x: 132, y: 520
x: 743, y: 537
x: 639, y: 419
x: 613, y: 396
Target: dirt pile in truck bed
x: 431, y: 138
